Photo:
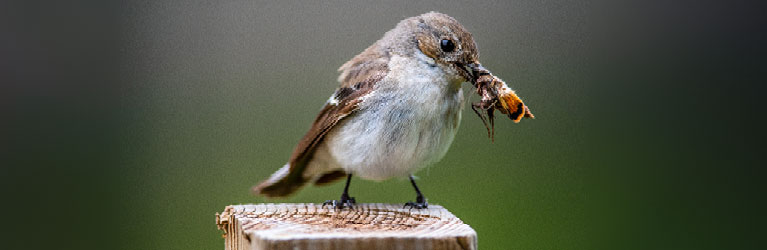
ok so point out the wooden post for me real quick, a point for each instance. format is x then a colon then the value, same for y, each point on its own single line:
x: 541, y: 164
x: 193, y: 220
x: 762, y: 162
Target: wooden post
x: 366, y: 226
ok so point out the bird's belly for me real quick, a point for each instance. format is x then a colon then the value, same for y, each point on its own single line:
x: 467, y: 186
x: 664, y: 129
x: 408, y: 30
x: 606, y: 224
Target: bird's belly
x: 392, y: 136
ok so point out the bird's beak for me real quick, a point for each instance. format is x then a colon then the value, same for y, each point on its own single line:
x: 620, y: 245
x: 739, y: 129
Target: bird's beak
x: 473, y: 70
x: 468, y: 70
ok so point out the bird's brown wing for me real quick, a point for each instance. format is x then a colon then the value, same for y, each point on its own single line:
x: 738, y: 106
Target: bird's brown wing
x: 357, y: 80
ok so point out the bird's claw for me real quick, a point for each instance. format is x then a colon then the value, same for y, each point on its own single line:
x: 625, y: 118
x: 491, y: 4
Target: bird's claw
x: 416, y: 205
x: 340, y: 204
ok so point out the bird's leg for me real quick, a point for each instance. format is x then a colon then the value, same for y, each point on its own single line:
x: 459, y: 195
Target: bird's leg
x: 345, y: 199
x: 345, y: 196
x: 420, y: 201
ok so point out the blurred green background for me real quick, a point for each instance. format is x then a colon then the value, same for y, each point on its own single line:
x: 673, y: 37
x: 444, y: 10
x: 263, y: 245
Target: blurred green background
x: 221, y: 93
x: 130, y: 124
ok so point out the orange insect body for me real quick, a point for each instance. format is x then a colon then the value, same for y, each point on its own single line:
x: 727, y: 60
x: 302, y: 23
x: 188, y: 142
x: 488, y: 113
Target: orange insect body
x: 497, y: 95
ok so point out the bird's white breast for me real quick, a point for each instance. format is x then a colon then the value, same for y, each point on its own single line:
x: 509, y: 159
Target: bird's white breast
x: 406, y: 123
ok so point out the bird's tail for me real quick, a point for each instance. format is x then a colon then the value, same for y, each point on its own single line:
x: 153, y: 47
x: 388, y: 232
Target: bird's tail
x: 287, y: 181
x: 282, y: 183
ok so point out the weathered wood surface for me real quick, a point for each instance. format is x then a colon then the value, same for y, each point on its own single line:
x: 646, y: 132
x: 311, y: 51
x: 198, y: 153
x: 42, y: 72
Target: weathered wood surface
x: 367, y: 226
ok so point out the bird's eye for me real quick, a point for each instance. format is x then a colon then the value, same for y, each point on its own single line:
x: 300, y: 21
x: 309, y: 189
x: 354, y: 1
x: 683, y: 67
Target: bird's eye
x: 447, y: 45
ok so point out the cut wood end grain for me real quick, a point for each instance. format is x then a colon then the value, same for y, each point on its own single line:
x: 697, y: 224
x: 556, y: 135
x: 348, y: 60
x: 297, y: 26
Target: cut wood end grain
x: 367, y: 226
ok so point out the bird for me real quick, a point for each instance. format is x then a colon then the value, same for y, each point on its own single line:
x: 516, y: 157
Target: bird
x: 396, y: 111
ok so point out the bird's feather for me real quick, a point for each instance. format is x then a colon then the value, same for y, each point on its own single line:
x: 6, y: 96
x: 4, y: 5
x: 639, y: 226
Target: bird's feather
x: 358, y: 79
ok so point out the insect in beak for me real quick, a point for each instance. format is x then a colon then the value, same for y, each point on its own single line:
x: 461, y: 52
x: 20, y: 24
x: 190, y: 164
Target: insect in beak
x: 495, y: 94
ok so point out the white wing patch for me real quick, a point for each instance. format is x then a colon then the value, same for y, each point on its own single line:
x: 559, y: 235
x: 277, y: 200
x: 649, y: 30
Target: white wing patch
x: 332, y: 100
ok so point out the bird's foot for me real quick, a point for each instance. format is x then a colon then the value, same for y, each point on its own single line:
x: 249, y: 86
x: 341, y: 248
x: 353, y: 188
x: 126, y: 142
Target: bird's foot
x: 419, y: 204
x: 345, y: 201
